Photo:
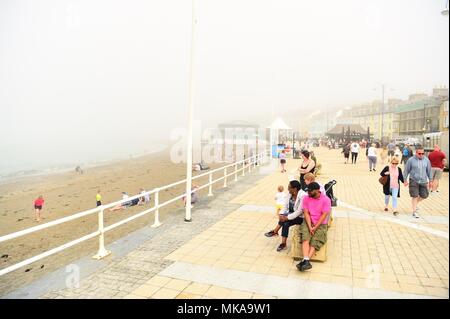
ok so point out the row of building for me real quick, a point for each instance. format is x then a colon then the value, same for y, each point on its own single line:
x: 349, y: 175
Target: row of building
x: 419, y: 114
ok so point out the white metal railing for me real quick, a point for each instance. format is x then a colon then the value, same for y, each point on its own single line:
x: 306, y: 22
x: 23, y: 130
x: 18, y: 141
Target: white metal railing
x: 100, y: 232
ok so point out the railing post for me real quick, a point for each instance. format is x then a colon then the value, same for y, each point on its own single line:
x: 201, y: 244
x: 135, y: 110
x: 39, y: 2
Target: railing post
x: 225, y: 177
x: 243, y: 168
x: 156, y: 223
x: 102, y: 252
x: 210, y: 193
x: 235, y: 172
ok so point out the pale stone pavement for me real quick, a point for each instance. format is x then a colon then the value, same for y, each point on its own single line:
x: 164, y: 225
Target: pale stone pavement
x: 371, y: 254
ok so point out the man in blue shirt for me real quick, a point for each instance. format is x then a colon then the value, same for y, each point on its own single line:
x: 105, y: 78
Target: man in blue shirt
x: 418, y: 168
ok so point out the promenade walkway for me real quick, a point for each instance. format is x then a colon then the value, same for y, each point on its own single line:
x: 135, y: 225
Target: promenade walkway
x: 224, y: 254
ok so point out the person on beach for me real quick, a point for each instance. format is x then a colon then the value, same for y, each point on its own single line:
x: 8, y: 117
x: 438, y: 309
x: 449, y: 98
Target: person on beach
x: 194, y: 195
x: 123, y: 205
x: 307, y: 166
x: 418, y: 168
x: 372, y: 156
x: 98, y: 198
x: 437, y: 159
x: 392, y: 186
x: 283, y: 161
x: 354, y: 148
x: 313, y: 231
x: 346, y: 151
x: 144, y: 199
x: 38, y: 204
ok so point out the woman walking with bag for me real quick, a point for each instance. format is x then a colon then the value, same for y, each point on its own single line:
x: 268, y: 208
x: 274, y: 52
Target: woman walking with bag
x: 391, y: 185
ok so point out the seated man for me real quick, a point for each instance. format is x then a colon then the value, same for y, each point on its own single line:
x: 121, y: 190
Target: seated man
x: 313, y: 232
x: 291, y: 213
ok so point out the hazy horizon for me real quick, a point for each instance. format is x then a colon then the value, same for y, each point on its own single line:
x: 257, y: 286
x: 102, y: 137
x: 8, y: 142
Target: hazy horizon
x: 84, y: 81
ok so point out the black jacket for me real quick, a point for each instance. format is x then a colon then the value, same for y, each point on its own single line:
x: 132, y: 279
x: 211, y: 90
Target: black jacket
x: 386, y: 187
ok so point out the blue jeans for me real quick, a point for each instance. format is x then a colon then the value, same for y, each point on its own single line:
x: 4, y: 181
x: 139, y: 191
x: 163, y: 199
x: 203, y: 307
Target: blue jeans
x: 394, y: 192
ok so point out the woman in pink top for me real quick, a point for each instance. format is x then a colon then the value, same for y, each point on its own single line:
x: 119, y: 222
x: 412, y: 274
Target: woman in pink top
x: 38, y: 203
x: 392, y: 186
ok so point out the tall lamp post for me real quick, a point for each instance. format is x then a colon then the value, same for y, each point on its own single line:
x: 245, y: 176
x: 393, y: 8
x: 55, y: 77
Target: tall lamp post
x: 190, y: 119
x: 444, y: 12
x: 424, y: 128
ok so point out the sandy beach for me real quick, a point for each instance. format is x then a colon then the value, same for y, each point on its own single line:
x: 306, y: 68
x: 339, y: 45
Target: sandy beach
x: 68, y: 193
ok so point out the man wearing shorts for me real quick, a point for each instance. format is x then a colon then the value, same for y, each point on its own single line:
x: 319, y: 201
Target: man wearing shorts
x: 418, y: 168
x: 313, y: 231
x: 437, y: 160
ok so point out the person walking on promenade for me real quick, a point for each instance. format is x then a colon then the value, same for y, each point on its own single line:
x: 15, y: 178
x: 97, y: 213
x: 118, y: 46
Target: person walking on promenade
x: 407, y: 153
x: 418, y: 168
x: 391, y: 149
x: 354, y: 148
x: 398, y: 154
x: 346, y: 151
x: 313, y: 231
x: 437, y: 160
x: 372, y: 156
x: 307, y: 166
x: 384, y: 155
x: 283, y: 161
x: 291, y: 214
x: 392, y: 186
x: 98, y: 198
x: 38, y: 204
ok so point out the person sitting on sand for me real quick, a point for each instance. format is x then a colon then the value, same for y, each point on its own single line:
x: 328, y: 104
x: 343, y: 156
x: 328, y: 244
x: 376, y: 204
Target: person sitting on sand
x: 38, y: 203
x: 123, y: 205
x: 144, y: 199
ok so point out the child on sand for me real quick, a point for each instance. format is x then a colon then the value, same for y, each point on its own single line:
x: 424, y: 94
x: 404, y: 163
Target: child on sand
x: 38, y: 203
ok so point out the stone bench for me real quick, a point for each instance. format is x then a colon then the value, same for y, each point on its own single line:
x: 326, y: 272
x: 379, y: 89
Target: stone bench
x: 296, y: 246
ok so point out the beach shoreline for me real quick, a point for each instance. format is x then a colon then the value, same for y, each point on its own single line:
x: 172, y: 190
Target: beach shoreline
x: 68, y: 193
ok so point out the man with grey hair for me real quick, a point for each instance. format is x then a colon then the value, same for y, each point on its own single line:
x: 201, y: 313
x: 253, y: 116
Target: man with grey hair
x: 418, y: 168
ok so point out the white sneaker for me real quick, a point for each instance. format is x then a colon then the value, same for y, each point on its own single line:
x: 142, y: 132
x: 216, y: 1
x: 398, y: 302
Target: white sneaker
x: 415, y: 215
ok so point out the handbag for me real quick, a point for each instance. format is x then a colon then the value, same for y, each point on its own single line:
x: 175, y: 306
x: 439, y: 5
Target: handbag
x: 383, y: 180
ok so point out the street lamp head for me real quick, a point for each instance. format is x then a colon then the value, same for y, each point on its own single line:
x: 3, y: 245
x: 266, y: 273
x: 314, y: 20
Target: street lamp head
x: 445, y: 11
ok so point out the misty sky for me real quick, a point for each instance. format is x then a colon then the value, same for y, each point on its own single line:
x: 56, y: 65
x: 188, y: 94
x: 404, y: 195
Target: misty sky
x: 92, y: 80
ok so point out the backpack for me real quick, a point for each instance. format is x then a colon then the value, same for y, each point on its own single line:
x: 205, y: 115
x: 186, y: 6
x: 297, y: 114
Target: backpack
x: 405, y: 151
x: 329, y: 192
